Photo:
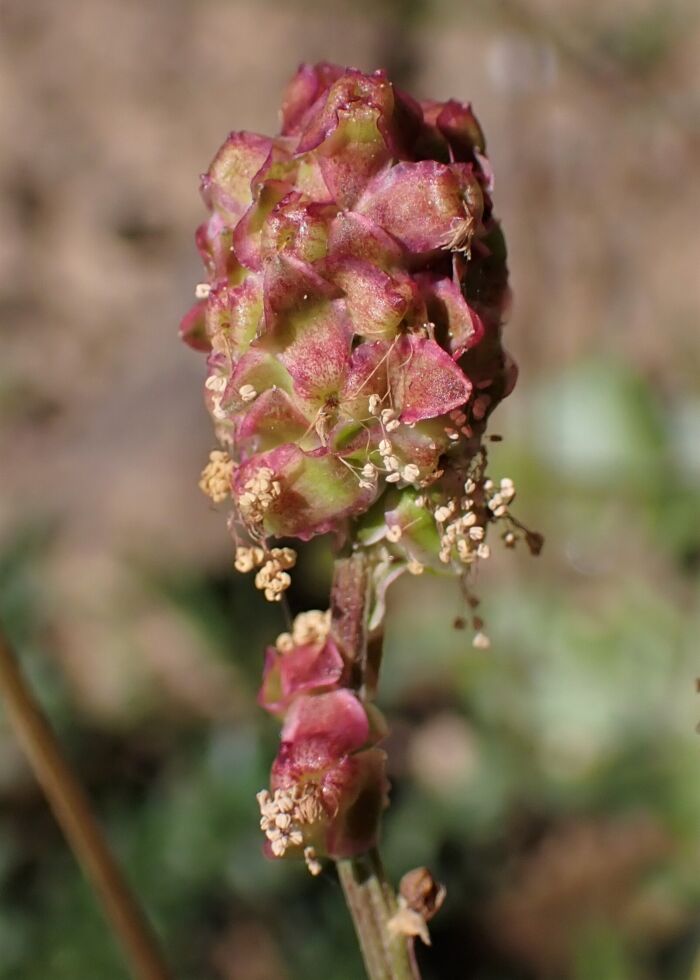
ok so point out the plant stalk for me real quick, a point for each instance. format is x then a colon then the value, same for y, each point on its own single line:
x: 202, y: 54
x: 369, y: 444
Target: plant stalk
x: 72, y: 810
x: 371, y: 900
x: 369, y: 896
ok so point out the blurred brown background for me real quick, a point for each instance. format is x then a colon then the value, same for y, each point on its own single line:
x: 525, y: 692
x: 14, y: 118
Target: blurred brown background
x: 565, y: 811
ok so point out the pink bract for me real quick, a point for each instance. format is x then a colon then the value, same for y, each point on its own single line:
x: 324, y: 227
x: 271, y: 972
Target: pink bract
x: 325, y: 746
x: 306, y: 668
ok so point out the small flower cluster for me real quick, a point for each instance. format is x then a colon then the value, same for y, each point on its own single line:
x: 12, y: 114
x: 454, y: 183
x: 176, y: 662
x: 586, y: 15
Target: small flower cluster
x: 328, y: 763
x: 285, y: 814
x: 445, y: 526
x: 308, y: 629
x: 215, y: 480
x: 462, y: 522
x: 257, y: 494
x: 273, y: 577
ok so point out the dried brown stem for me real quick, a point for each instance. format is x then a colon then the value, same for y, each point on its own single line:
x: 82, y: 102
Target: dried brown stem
x: 72, y: 810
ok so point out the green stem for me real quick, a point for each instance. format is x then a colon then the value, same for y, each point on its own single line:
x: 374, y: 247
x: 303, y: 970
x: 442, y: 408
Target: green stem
x: 371, y: 900
x: 369, y: 896
x: 74, y: 815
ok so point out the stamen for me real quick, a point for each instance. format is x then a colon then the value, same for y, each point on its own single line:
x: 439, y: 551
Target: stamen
x: 215, y: 479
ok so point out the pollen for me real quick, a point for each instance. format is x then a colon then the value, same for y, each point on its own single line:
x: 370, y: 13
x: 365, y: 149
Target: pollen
x: 507, y: 488
x: 389, y: 420
x: 309, y: 628
x: 215, y: 479
x: 273, y: 578
x: 312, y: 862
x: 393, y: 533
x: 215, y: 382
x: 248, y: 558
x: 247, y: 393
x: 272, y: 582
x: 258, y: 494
x: 375, y: 403
x: 285, y: 813
x: 368, y: 479
x: 444, y: 512
x: 217, y: 410
x: 284, y: 643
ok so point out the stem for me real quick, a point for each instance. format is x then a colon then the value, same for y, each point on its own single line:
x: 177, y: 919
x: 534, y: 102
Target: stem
x: 72, y: 811
x: 349, y: 611
x: 371, y: 900
x: 369, y: 896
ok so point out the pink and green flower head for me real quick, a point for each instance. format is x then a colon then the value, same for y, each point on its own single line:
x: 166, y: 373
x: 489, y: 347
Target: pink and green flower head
x: 352, y: 311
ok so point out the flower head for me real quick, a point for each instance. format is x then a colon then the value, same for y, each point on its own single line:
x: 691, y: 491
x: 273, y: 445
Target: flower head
x: 355, y: 294
x: 356, y: 287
